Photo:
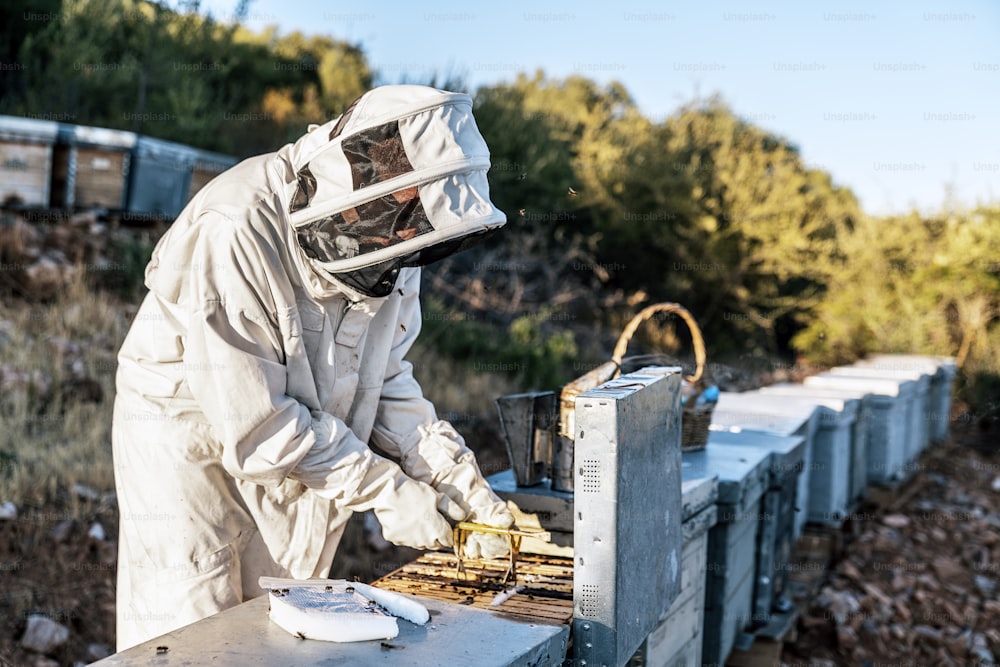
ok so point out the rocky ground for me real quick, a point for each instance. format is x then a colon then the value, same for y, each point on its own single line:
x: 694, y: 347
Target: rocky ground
x: 917, y: 584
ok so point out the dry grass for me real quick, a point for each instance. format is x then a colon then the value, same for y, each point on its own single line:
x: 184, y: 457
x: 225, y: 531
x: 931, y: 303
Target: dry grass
x: 49, y: 439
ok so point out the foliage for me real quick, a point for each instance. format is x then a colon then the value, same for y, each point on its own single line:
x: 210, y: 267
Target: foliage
x: 141, y: 66
x: 924, y: 285
x: 531, y: 352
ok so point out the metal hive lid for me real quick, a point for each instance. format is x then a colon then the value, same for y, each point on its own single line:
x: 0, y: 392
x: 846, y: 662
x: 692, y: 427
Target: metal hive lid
x: 742, y: 472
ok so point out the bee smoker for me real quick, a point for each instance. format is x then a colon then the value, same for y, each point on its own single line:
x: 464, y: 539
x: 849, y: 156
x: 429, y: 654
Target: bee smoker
x: 539, y: 430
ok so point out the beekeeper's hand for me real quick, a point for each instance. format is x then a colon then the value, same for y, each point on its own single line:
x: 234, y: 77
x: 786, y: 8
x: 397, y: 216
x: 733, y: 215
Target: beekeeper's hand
x: 411, y: 513
x: 441, y: 459
x: 489, y: 545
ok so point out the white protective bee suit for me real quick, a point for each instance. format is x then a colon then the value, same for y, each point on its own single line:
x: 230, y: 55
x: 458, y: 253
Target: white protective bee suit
x: 262, y: 391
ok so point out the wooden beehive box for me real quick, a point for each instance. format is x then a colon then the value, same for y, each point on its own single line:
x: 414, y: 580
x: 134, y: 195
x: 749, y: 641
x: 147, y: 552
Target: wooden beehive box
x: 207, y: 166
x: 25, y: 160
x: 91, y: 167
x: 544, y: 585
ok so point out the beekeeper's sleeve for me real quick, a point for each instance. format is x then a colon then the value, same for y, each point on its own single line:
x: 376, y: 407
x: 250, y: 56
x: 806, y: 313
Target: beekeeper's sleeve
x: 429, y: 449
x: 234, y: 365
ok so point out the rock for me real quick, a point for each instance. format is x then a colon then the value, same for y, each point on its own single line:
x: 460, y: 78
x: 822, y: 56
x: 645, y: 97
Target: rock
x: 43, y: 635
x: 981, y: 650
x: 896, y: 520
x: 96, y: 532
x: 48, y: 274
x: 847, y: 638
x: 15, y: 380
x: 877, y: 593
x: 61, y: 530
x: 850, y: 570
x: 993, y: 635
x: 841, y: 605
x: 931, y: 635
x: 85, y: 492
x: 958, y: 645
x: 63, y: 347
x: 8, y: 511
x: 97, y: 651
x: 903, y: 611
x: 947, y: 568
x: 985, y: 584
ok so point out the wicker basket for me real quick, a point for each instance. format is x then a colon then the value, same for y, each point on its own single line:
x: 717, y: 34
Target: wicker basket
x: 695, y: 419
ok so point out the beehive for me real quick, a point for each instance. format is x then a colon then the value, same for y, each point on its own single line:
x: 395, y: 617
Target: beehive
x: 752, y: 413
x: 777, y: 538
x: 91, y: 168
x: 160, y: 178
x: 732, y: 543
x: 942, y: 371
x: 887, y: 404
x: 26, y: 160
x: 917, y: 410
x: 838, y: 474
x: 677, y: 640
x: 207, y: 165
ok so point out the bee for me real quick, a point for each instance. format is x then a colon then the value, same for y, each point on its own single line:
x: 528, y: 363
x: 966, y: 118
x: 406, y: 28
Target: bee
x: 300, y: 635
x: 160, y: 650
x: 571, y: 192
x: 520, y: 212
x: 400, y: 291
x: 387, y: 645
x: 349, y: 589
x: 403, y: 327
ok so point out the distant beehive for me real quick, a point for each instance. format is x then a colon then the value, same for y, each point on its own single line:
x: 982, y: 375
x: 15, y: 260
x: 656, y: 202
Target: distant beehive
x: 207, y: 165
x: 91, y: 167
x: 160, y: 178
x: 26, y: 148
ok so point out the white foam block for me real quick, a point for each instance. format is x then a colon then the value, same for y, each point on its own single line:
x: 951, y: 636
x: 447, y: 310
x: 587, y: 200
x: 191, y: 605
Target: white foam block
x: 332, y: 611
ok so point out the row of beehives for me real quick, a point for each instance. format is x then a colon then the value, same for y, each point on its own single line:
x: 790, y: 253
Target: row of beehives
x: 778, y: 458
x: 50, y: 165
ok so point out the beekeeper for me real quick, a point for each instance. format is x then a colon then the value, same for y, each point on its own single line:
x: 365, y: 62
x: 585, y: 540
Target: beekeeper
x: 263, y: 393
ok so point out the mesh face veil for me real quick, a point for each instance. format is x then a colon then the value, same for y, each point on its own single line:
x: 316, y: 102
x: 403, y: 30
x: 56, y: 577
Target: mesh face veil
x: 399, y: 179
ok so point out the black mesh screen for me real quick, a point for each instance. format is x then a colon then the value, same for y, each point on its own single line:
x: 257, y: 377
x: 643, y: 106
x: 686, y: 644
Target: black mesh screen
x: 377, y: 224
x: 376, y: 155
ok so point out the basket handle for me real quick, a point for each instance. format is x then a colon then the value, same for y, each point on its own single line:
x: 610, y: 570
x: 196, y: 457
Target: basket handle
x: 649, y: 311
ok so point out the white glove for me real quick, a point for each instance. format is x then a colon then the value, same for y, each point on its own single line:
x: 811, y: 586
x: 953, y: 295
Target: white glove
x: 489, y: 545
x: 409, y: 511
x: 441, y: 459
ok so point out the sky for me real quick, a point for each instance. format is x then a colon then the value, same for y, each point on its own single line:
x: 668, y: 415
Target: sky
x: 898, y: 100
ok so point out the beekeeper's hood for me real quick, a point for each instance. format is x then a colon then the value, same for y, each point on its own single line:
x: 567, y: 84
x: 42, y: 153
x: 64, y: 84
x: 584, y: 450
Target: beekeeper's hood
x: 399, y: 179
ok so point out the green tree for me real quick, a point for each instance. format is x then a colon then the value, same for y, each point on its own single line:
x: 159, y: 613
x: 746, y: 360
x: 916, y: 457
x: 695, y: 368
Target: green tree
x: 728, y: 219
